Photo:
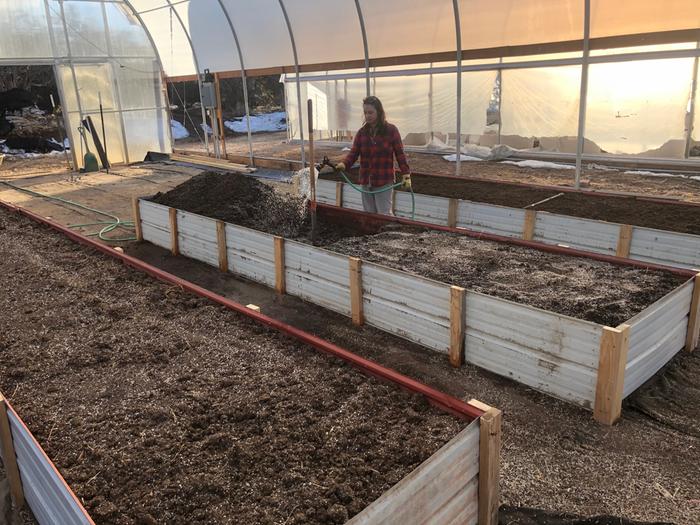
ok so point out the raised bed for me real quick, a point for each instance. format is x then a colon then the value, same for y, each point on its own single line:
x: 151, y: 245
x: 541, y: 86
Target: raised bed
x: 586, y: 363
x: 620, y: 240
x: 457, y: 484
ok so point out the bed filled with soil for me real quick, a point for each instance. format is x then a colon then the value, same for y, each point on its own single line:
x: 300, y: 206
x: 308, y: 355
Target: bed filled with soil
x: 625, y: 210
x: 579, y: 287
x: 161, y: 407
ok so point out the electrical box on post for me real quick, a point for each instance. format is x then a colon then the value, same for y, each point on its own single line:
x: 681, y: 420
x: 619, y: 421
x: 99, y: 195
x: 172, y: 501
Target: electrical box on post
x: 208, y: 90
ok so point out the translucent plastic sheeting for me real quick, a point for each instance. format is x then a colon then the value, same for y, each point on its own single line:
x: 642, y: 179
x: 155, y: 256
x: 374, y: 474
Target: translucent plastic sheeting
x: 541, y: 103
x: 620, y: 17
x: 93, y: 80
x: 139, y: 83
x: 170, y: 39
x: 113, y: 132
x: 86, y: 29
x: 127, y: 36
x: 146, y: 131
x: 639, y: 107
x: 23, y: 29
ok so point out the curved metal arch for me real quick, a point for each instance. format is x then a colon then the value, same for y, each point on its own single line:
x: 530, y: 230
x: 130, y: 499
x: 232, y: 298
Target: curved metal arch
x: 458, y: 34
x: 298, y: 82
x: 243, y: 80
x: 364, y: 43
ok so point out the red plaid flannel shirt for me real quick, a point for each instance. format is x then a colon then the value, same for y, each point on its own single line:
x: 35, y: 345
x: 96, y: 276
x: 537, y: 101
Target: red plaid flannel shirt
x: 377, y: 156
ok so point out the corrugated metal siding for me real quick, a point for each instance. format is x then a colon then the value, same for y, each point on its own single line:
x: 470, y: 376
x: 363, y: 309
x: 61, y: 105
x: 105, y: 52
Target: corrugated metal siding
x: 197, y: 237
x: 664, y: 247
x: 155, y: 223
x: 489, y: 218
x: 409, y: 306
x: 432, y: 210
x: 251, y: 254
x: 325, y: 191
x: 549, y: 352
x: 352, y: 199
x: 582, y: 234
x: 656, y: 335
x: 318, y: 276
x: 44, y: 491
x: 441, y: 491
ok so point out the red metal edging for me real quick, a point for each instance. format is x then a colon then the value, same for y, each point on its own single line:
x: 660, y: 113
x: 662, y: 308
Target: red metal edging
x: 446, y: 402
x: 373, y: 219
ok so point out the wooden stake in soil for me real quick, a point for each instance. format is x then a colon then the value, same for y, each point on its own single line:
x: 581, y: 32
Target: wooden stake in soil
x: 220, y: 114
x: 280, y: 282
x: 339, y: 194
x: 489, y: 462
x: 356, y: 290
x: 529, y: 225
x: 624, y: 241
x: 457, y: 323
x: 174, y: 242
x: 611, y: 374
x: 221, y: 243
x: 9, y: 457
x: 691, y: 339
x: 452, y: 213
x: 137, y: 218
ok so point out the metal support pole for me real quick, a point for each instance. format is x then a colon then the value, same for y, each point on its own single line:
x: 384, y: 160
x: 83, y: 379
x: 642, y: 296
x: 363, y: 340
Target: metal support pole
x: 244, y: 81
x: 584, y: 91
x: 298, y: 81
x: 458, y: 34
x: 364, y: 43
x: 691, y: 107
x: 500, y: 102
x: 199, y: 73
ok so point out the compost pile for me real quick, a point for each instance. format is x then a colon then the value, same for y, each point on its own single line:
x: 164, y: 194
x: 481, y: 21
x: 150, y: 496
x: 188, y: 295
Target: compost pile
x: 161, y: 407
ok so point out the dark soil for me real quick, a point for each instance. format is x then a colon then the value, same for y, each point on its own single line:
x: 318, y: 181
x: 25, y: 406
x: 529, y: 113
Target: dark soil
x: 625, y: 210
x: 160, y: 407
x: 575, y: 286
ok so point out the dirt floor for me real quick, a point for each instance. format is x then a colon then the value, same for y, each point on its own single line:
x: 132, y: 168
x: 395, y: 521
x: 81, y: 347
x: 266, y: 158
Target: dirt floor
x: 129, y: 383
x: 574, y: 286
x: 274, y: 145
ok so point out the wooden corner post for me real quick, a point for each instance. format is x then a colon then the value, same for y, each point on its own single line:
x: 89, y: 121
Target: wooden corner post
x: 356, y: 291
x: 489, y: 462
x: 339, y: 194
x: 9, y: 456
x: 221, y: 244
x: 280, y: 278
x: 457, y: 323
x: 624, y: 241
x: 174, y: 242
x: 137, y: 218
x: 452, y: 213
x: 691, y: 339
x: 529, y: 224
x: 614, y: 344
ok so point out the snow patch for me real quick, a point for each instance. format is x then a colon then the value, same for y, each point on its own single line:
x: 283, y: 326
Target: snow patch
x: 276, y: 121
x: 541, y: 164
x: 453, y: 158
x: 655, y: 174
x: 178, y: 130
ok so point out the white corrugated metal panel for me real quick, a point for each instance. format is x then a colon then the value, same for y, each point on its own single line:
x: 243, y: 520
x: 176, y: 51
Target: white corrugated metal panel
x: 442, y: 490
x: 664, y: 247
x: 46, y: 494
x: 352, y: 199
x: 656, y: 335
x: 409, y: 306
x: 547, y: 351
x: 582, y: 234
x: 251, y: 254
x: 325, y: 191
x: 197, y: 237
x: 490, y: 218
x: 318, y: 276
x: 429, y: 209
x: 155, y: 223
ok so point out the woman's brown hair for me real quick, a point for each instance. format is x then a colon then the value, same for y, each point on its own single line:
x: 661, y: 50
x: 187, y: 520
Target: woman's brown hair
x: 381, y: 116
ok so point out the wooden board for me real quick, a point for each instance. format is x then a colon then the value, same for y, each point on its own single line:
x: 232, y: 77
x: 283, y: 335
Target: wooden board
x: 339, y: 194
x: 137, y: 218
x: 206, y: 161
x: 221, y: 243
x: 452, y: 213
x: 489, y: 466
x: 624, y: 241
x: 280, y: 284
x: 529, y: 225
x: 691, y: 340
x: 356, y: 290
x: 174, y: 242
x: 9, y: 457
x: 611, y: 374
x: 457, y: 321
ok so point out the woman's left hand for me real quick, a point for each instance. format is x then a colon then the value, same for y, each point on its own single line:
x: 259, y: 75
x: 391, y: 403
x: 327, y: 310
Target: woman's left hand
x: 406, y: 181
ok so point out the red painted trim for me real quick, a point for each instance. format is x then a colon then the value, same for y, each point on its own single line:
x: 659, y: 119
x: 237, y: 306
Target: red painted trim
x: 372, y: 221
x: 445, y: 401
x: 41, y: 450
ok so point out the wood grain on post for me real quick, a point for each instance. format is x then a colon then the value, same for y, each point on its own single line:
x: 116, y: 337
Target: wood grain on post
x: 489, y: 466
x: 339, y: 194
x: 137, y: 218
x: 452, y: 213
x: 614, y: 344
x: 529, y: 224
x: 457, y: 323
x: 280, y: 280
x: 220, y: 113
x: 221, y: 244
x: 9, y: 456
x: 691, y: 339
x: 174, y: 241
x: 356, y: 291
x: 624, y: 241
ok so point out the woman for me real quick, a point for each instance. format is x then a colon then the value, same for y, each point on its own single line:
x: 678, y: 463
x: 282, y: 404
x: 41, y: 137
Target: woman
x: 377, y: 143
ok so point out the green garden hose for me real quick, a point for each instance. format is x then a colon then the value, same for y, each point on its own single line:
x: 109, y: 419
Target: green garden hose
x: 109, y: 226
x: 387, y: 188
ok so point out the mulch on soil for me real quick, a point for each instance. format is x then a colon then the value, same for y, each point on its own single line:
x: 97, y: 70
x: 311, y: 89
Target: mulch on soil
x: 160, y: 407
x: 625, y: 210
x: 583, y: 288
